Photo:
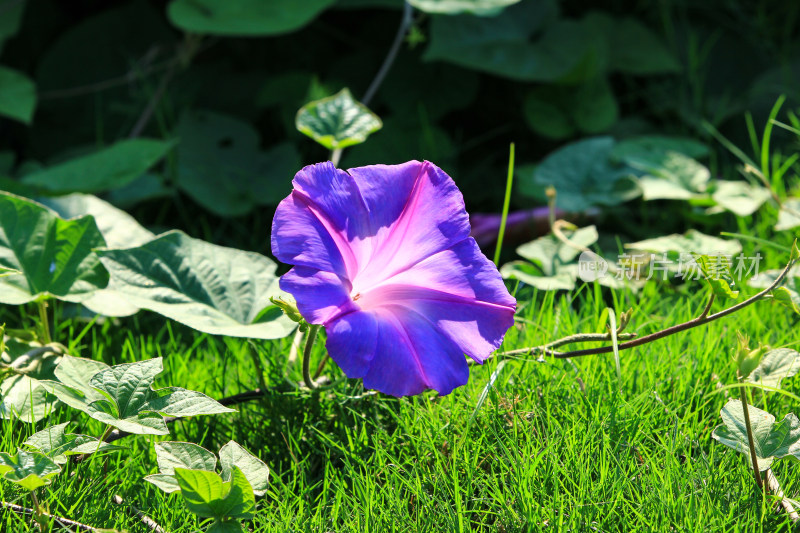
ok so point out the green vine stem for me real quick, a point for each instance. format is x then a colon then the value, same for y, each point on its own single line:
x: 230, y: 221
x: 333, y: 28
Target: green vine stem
x: 703, y: 318
x: 65, y: 523
x: 312, y: 336
x: 750, y: 442
x: 44, y: 322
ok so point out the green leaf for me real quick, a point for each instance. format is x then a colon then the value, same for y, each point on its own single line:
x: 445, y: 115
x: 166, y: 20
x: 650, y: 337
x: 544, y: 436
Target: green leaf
x: 549, y: 252
x: 252, y: 18
x: 337, y: 121
x: 633, y: 48
x: 454, y: 7
x: 552, y: 262
x: 581, y: 174
x: 787, y: 298
x: 118, y: 229
x: 557, y: 112
x: 182, y: 402
x: 56, y: 444
x: 206, y: 495
x: 254, y: 469
x: 171, y: 455
x: 17, y: 94
x: 122, y: 395
x: 54, y: 255
x: 28, y: 469
x: 772, y: 441
x: 739, y: 197
x: 228, y: 526
x: 669, y: 175
x: 789, y: 215
x: 222, y: 291
x: 222, y: 167
x: 691, y: 242
x: 775, y: 366
x: 504, y: 45
x: 109, y: 168
x: 791, y: 283
x: 117, y: 226
x: 25, y: 399
x: 717, y: 272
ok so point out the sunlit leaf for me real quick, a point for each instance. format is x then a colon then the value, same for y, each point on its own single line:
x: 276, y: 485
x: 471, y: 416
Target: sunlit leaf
x: 772, y: 440
x: 252, y: 18
x: 171, y: 455
x: 218, y: 290
x: 28, y: 469
x: 117, y: 226
x: 254, y: 469
x: 54, y: 255
x: 206, y: 495
x: 24, y: 398
x: 717, y: 273
x: 122, y: 396
x: 789, y: 215
x: 786, y: 298
x: 55, y: 443
x: 739, y: 197
x: 338, y: 121
x: 775, y: 366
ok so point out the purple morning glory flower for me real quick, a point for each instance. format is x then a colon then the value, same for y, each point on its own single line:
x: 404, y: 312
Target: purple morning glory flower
x: 383, y: 259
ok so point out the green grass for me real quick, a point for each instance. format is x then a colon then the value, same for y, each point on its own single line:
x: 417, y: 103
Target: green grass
x: 560, y: 445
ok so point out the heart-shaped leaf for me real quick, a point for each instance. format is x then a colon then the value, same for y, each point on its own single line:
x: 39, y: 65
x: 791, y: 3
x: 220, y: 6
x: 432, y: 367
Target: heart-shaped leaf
x: 108, y: 168
x: 10, y: 21
x: 337, y: 121
x: 739, y: 197
x: 222, y: 291
x: 254, y: 18
x: 254, y: 469
x: 171, y: 455
x: 28, y: 469
x: 525, y: 42
x: 772, y: 440
x: 789, y: 215
x: 222, y: 167
x: 775, y: 366
x: 206, y: 495
x: 17, y: 94
x: 55, y: 443
x: 54, y: 256
x: 669, y: 175
x: 582, y: 176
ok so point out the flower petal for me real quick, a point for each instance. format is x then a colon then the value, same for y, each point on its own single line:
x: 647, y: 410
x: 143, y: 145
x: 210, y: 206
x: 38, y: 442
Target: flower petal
x: 432, y: 217
x: 397, y: 352
x: 352, y: 342
x: 299, y: 237
x: 460, y: 291
x: 321, y: 296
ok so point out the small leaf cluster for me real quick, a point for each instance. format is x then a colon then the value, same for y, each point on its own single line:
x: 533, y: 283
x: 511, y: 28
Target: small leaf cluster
x: 225, y: 497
